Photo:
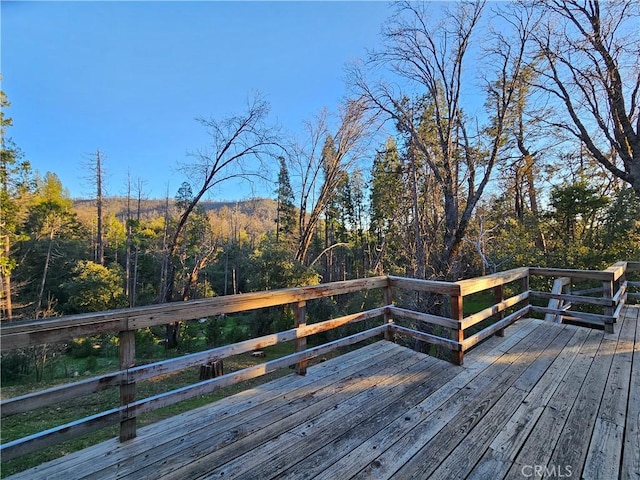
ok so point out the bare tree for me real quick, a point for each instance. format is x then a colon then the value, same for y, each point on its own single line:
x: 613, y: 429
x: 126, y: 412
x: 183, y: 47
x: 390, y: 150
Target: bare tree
x: 459, y: 149
x: 96, y: 176
x: 234, y: 140
x: 128, y: 241
x: 321, y: 164
x: 132, y: 226
x: 99, y: 178
x: 590, y: 57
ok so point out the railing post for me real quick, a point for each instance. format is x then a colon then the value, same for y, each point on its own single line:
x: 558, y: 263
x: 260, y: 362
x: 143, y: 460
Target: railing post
x: 557, y: 304
x: 127, y: 351
x: 525, y: 284
x: 457, y: 313
x: 607, y: 292
x: 300, y: 315
x: 617, y: 284
x: 525, y: 288
x: 387, y: 296
x: 498, y: 297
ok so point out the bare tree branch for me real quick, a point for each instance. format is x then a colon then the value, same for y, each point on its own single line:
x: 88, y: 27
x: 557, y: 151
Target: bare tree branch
x: 234, y: 140
x: 591, y: 57
x: 431, y: 53
x: 321, y: 163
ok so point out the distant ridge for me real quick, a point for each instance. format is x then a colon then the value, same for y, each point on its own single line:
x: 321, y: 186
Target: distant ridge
x: 155, y: 207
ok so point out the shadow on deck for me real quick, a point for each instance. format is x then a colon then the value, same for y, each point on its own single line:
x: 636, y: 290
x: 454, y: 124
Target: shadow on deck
x: 546, y: 399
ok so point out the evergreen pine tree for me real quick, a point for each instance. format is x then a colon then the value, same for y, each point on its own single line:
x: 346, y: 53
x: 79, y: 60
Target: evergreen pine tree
x: 286, y: 216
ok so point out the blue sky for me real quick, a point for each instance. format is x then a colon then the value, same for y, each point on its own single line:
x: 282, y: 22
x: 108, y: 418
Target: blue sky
x: 129, y: 78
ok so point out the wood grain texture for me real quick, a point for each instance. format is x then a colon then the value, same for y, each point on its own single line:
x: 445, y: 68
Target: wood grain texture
x: 504, y: 448
x: 474, y: 285
x: 25, y: 333
x: 630, y: 468
x: 547, y: 395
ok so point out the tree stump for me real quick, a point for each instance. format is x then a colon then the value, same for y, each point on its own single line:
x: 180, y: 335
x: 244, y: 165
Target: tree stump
x: 211, y: 370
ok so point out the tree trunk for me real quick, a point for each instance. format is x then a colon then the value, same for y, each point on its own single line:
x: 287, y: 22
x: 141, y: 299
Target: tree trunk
x: 171, y: 335
x: 44, y: 275
x: 134, y: 283
x: 417, y: 230
x: 6, y: 280
x: 99, y: 199
x: 128, y: 289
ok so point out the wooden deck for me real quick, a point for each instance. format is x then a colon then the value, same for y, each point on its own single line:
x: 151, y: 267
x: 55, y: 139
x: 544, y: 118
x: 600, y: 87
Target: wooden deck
x: 546, y: 399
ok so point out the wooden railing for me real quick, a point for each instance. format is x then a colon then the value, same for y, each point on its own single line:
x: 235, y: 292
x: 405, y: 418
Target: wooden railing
x: 453, y: 330
x: 457, y: 322
x: 609, y: 295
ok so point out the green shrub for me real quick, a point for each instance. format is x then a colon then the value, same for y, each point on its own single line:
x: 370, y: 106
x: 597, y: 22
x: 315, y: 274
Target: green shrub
x: 14, y: 366
x: 81, y: 348
x: 213, y: 330
x: 236, y: 329
x: 92, y: 364
x: 146, y: 342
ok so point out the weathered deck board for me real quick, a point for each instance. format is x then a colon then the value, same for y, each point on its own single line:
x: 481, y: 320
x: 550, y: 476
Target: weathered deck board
x: 540, y: 443
x: 359, y: 457
x: 433, y: 453
x: 232, y: 460
x: 166, y: 441
x: 605, y: 450
x: 464, y: 457
x: 351, y: 416
x: 573, y: 444
x: 504, y: 448
x: 631, y: 449
x: 556, y: 398
x: 161, y: 438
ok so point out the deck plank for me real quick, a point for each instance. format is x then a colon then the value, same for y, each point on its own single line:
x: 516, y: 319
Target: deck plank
x: 269, y: 459
x: 275, y: 463
x: 432, y: 454
x: 459, y: 387
x: 538, y: 448
x: 504, y: 448
x: 166, y: 437
x: 470, y: 449
x: 630, y: 468
x: 464, y: 457
x: 353, y: 444
x: 456, y: 416
x: 573, y: 444
x: 220, y: 446
x: 605, y: 450
x: 357, y: 423
x: 210, y: 455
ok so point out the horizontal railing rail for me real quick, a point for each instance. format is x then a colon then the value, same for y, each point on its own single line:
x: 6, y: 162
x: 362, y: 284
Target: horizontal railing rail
x: 456, y: 331
x: 144, y: 372
x: 22, y: 334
